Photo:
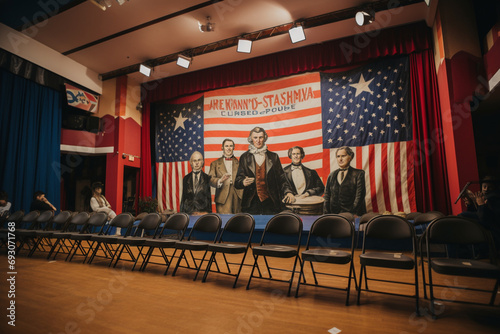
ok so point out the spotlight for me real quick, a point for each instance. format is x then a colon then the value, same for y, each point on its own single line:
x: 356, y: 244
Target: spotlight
x: 184, y: 61
x: 121, y: 2
x: 297, y: 34
x: 146, y: 70
x: 244, y: 45
x: 364, y: 17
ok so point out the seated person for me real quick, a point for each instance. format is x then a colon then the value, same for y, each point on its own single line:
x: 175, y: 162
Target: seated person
x: 99, y: 203
x: 484, y: 206
x: 4, y: 204
x: 41, y: 203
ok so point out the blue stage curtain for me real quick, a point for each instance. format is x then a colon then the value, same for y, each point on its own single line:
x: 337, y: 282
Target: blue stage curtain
x: 30, y: 133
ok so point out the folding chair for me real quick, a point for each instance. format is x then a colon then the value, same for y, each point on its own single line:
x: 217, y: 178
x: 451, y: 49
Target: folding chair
x: 150, y: 222
x: 323, y: 247
x: 460, y: 231
x: 289, y: 226
x: 392, y: 230
x: 95, y: 226
x: 240, y: 225
x: 77, y: 224
x: 421, y: 221
x: 28, y: 235
x: 57, y: 224
x: 12, y: 221
x: 363, y: 220
x: 106, y: 242
x: 25, y: 226
x: 177, y: 223
x: 207, y: 228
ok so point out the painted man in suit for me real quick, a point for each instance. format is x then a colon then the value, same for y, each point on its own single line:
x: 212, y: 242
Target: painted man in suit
x: 260, y: 175
x: 196, y: 198
x: 303, y: 181
x: 345, y: 187
x: 222, y: 175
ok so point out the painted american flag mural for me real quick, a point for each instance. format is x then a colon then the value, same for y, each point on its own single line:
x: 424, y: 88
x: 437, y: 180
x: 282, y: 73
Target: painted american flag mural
x: 366, y: 108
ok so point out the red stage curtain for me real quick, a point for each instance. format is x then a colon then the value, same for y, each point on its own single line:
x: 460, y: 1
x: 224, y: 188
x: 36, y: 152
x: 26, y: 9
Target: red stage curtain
x: 337, y: 53
x: 431, y: 178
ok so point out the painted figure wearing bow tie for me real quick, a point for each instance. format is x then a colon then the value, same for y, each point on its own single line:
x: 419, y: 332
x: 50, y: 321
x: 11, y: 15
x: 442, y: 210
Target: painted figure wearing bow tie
x: 345, y: 187
x: 196, y: 197
x: 260, y: 175
x: 303, y: 181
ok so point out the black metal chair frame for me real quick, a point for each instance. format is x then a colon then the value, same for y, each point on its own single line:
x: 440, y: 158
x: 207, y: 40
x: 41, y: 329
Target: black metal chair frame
x: 77, y: 224
x: 107, y: 242
x: 150, y: 222
x: 460, y: 231
x: 326, y: 230
x: 95, y: 226
x: 284, y: 224
x: 177, y: 222
x: 208, y: 224
x: 26, y: 229
x: 242, y: 224
x: 58, y: 223
x: 389, y: 227
x: 29, y: 236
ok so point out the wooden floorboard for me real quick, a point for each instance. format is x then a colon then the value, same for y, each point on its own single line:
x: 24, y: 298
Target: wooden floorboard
x: 72, y: 297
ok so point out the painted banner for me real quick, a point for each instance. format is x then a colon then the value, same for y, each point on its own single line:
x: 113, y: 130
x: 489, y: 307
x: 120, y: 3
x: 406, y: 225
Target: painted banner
x: 366, y: 108
x: 81, y: 99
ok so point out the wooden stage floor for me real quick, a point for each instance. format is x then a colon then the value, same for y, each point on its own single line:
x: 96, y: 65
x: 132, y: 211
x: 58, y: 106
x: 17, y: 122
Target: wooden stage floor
x: 72, y: 297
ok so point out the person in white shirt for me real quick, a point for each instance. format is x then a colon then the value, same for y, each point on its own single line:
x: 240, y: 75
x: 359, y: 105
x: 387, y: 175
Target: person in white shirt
x: 4, y: 203
x: 99, y: 203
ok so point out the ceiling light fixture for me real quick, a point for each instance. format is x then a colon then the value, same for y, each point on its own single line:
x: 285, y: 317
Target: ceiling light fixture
x: 297, y: 33
x: 184, y: 61
x: 365, y: 17
x: 244, y: 46
x: 146, y: 70
x: 104, y: 4
x: 209, y: 27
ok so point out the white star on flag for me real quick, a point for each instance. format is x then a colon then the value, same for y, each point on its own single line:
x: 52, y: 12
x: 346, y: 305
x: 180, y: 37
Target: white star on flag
x: 362, y: 86
x: 179, y: 121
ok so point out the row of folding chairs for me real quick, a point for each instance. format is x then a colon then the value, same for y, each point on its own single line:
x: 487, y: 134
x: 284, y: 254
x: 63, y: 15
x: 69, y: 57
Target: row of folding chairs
x: 217, y: 244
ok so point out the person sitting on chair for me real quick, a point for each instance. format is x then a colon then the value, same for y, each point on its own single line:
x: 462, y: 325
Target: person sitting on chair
x: 4, y: 203
x: 41, y: 203
x: 99, y: 203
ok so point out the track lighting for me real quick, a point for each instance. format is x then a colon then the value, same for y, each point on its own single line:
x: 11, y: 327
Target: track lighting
x: 146, y: 70
x: 364, y: 17
x: 244, y: 45
x: 297, y: 33
x: 184, y: 61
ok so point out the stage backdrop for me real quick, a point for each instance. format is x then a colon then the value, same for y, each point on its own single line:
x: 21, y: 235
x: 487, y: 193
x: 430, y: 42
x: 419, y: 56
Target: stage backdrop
x: 366, y: 108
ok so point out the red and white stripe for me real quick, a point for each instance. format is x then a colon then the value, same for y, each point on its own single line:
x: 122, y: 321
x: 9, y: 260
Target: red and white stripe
x: 169, y: 191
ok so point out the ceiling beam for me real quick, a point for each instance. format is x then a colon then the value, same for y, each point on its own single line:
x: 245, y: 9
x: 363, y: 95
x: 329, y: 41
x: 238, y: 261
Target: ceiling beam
x: 311, y: 22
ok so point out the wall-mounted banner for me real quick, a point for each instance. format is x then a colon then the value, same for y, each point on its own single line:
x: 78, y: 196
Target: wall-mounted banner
x: 366, y: 108
x: 81, y: 99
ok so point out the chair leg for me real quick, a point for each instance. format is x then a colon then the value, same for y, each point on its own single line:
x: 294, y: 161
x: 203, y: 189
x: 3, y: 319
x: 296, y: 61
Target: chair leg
x: 199, y: 267
x: 300, y: 276
x: 360, y: 283
x: 177, y: 263
x: 239, y: 270
x: 293, y: 273
x: 253, y: 268
x: 209, y: 265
